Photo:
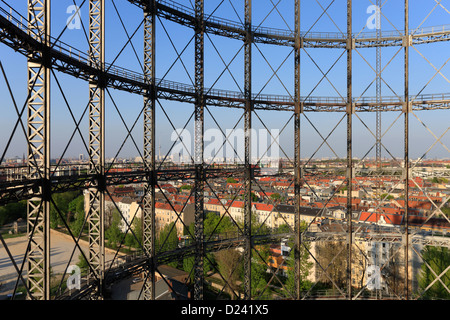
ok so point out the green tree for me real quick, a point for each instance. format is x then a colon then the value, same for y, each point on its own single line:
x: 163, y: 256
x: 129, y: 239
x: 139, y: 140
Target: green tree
x: 82, y: 264
x: 114, y: 234
x: 439, y: 180
x: 167, y: 239
x: 446, y: 211
x: 208, y: 262
x: 305, y: 268
x: 229, y: 264
x: 216, y: 225
x: 259, y: 276
x: 253, y: 196
x: 60, y: 208
x: 436, y: 261
x: 275, y: 196
x: 386, y: 196
x: 304, y: 264
x: 213, y: 225
x: 258, y: 227
x: 13, y: 211
x: 231, y: 180
x: 76, y: 208
x: 134, y: 238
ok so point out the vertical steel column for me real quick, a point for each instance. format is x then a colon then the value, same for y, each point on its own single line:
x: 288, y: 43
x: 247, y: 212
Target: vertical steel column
x: 97, y: 141
x: 148, y: 218
x: 407, y: 44
x: 248, y: 168
x: 199, y: 149
x: 378, y: 89
x: 297, y: 164
x: 38, y: 136
x: 350, y: 110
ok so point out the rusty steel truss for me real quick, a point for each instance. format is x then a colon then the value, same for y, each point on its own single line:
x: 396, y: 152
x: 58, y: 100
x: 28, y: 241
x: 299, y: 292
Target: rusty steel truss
x: 31, y: 37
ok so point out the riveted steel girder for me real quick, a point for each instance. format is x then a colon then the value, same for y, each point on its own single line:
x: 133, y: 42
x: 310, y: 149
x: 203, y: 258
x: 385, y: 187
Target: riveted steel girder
x: 36, y: 43
x: 297, y: 145
x: 247, y: 254
x: 148, y: 218
x: 199, y: 150
x: 96, y: 192
x: 38, y: 160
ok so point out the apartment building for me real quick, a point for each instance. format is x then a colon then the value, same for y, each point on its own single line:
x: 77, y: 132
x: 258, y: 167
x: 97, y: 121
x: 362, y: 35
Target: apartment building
x: 166, y: 213
x: 129, y: 207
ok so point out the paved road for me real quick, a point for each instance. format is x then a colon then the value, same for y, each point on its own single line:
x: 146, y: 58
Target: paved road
x: 60, y: 257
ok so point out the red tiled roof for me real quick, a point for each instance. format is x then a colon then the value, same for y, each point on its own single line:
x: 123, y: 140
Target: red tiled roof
x: 236, y: 204
x: 375, y: 217
x: 214, y: 201
x: 429, y: 222
x: 166, y: 206
x: 234, y: 185
x: 416, y: 204
x: 263, y: 206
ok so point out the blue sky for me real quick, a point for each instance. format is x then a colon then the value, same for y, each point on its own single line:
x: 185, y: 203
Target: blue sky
x: 422, y: 14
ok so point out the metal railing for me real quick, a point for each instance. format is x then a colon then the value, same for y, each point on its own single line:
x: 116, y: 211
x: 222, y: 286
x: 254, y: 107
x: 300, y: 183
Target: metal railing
x: 166, y: 85
x: 289, y: 34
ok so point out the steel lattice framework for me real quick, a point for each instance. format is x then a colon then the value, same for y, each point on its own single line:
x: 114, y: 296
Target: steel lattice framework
x: 31, y: 37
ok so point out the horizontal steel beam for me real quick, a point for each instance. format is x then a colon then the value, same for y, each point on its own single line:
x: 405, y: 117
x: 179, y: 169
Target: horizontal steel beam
x: 140, y: 263
x: 15, y: 191
x: 185, y: 16
x: 76, y: 63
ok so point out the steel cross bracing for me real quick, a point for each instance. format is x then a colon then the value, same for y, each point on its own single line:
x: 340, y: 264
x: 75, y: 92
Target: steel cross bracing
x: 97, y: 141
x: 27, y: 188
x: 378, y: 87
x: 45, y: 54
x: 140, y: 262
x: 297, y: 147
x: 199, y: 185
x: 38, y: 226
x: 148, y: 219
x: 184, y: 15
x: 247, y: 256
x: 74, y: 62
x: 349, y: 166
